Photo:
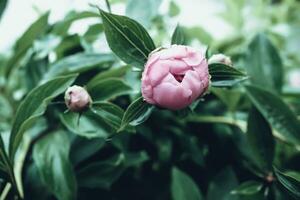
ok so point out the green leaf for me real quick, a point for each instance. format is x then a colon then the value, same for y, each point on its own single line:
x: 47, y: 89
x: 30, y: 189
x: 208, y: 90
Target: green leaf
x: 277, y: 113
x: 264, y: 65
x: 134, y: 43
x: 38, y: 28
x: 83, y: 148
x: 289, y: 183
x: 107, y: 89
x: 230, y: 97
x: 62, y: 27
x: 103, y: 174
x: 78, y: 63
x: 178, y: 36
x: 183, y: 187
x: 137, y: 112
x: 199, y: 34
x: 174, y: 10
x: 223, y: 75
x: 100, y: 121
x: 248, y: 188
x: 34, y: 105
x: 143, y: 11
x: 51, y: 156
x: 261, y: 140
x: 222, y: 184
x: 112, y: 73
x: 2, y: 7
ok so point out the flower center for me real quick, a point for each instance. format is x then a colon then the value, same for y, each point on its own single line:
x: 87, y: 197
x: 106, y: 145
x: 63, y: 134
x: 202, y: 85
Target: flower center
x: 179, y: 77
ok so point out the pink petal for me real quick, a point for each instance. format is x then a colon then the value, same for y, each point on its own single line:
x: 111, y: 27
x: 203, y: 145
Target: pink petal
x: 176, y: 51
x: 192, y: 82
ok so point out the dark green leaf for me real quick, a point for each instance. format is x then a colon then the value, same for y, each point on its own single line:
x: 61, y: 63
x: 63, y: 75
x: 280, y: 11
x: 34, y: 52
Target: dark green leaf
x: 137, y: 112
x: 82, y: 148
x: 230, y: 97
x: 248, y: 188
x: 223, y: 75
x: 77, y: 63
x: 264, y: 65
x: 112, y: 73
x: 2, y: 7
x: 51, y: 156
x: 277, y: 113
x: 221, y: 185
x: 38, y: 28
x: 143, y: 11
x: 178, y: 36
x: 103, y: 174
x: 34, y: 105
x: 134, y: 43
x: 183, y: 187
x: 107, y: 89
x: 261, y: 140
x: 100, y: 121
x: 289, y: 183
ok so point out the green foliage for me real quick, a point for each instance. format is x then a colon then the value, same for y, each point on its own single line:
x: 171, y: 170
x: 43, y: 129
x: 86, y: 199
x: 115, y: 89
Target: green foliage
x: 224, y: 146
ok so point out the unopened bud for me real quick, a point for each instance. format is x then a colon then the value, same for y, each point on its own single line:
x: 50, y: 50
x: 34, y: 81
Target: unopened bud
x: 77, y: 98
x: 220, y: 58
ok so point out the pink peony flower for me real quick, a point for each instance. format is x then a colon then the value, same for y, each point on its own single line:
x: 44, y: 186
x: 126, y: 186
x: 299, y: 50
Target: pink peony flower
x: 220, y: 58
x: 173, y: 78
x: 77, y: 98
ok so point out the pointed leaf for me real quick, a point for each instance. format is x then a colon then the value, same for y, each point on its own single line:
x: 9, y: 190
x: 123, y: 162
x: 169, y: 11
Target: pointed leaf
x: 178, y: 36
x: 34, y: 105
x: 289, y: 183
x: 133, y: 42
x: 248, y: 188
x: 277, y: 113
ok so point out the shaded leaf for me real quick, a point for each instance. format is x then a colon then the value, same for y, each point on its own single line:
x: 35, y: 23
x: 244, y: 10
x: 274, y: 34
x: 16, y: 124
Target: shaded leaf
x: 107, y: 89
x: 78, y: 63
x: 277, y: 113
x: 264, y: 65
x: 261, y: 140
x: 289, y: 183
x: 248, y: 188
x: 183, y: 187
x: 51, y: 156
x: 2, y: 7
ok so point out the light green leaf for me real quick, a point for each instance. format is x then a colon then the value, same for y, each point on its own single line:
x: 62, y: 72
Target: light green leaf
x: 143, y: 11
x: 289, y: 183
x: 37, y: 29
x: 34, y: 105
x: 51, y: 156
x: 183, y: 186
x: 78, y: 63
x: 223, y: 75
x: 134, y: 43
x: 174, y: 10
x: 259, y: 134
x: 137, y: 112
x: 178, y: 36
x: 264, y: 65
x: 277, y: 113
x: 248, y: 188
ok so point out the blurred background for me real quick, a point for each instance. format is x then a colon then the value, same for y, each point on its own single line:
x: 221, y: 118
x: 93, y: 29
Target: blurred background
x: 214, y: 23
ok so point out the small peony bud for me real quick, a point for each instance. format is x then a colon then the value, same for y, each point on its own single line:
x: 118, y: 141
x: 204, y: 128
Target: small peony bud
x: 77, y: 98
x: 175, y: 77
x: 220, y: 58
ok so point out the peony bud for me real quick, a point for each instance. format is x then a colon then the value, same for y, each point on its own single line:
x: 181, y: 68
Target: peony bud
x: 173, y: 78
x: 77, y: 98
x: 220, y: 58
